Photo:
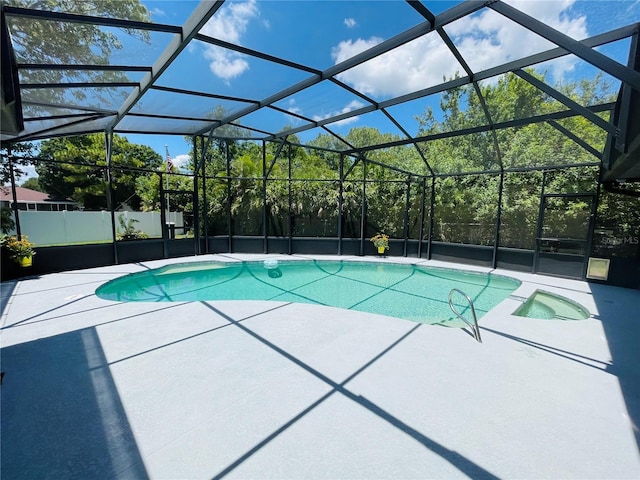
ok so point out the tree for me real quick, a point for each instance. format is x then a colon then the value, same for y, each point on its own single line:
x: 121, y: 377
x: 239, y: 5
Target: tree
x: 7, y: 223
x: 148, y: 189
x: 56, y: 42
x: 33, y: 184
x: 75, y: 168
x: 20, y: 154
x: 314, y: 199
x: 472, y: 200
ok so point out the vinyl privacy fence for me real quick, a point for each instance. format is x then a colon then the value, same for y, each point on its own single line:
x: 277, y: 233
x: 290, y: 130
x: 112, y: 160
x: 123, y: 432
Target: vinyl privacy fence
x: 73, y: 227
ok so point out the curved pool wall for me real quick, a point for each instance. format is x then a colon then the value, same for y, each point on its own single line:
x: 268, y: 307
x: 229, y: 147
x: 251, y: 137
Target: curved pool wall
x: 406, y: 291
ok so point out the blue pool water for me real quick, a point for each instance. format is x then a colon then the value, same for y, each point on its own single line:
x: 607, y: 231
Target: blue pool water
x: 411, y: 292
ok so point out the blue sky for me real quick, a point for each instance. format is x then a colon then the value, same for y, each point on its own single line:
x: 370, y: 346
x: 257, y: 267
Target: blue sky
x: 321, y: 34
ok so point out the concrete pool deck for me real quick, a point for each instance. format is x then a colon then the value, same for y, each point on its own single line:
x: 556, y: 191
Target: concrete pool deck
x: 255, y: 389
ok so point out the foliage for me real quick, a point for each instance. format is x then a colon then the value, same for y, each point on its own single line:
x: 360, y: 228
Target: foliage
x: 75, y: 168
x: 380, y: 240
x: 18, y: 248
x: 147, y: 188
x: 6, y: 220
x: 128, y: 230
x: 32, y: 184
x: 511, y: 98
x: 20, y: 158
x: 520, y: 207
x: 617, y: 226
x: 466, y: 207
x: 299, y: 191
x: 57, y: 42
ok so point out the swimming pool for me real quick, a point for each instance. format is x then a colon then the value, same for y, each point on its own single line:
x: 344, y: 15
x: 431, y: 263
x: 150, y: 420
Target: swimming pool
x: 408, y: 291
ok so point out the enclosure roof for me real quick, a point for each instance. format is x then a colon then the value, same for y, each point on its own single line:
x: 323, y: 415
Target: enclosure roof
x: 198, y: 75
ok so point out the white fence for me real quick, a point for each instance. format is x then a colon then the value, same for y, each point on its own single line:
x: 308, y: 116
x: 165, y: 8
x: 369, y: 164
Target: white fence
x: 69, y: 227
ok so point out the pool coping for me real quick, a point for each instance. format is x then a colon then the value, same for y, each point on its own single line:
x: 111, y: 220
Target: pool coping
x: 275, y: 390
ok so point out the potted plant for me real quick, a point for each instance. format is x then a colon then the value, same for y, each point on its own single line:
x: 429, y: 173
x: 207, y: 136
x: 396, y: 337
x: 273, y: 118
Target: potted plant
x: 129, y: 231
x: 381, y: 242
x: 20, y: 249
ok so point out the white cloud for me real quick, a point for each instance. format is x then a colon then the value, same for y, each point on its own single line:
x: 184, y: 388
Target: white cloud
x: 293, y: 108
x: 181, y: 161
x: 489, y: 39
x: 353, y: 105
x: 350, y: 22
x: 224, y: 64
x: 29, y: 171
x: 158, y: 12
x: 486, y: 39
x: 229, y: 24
x: 414, y: 66
x: 348, y: 48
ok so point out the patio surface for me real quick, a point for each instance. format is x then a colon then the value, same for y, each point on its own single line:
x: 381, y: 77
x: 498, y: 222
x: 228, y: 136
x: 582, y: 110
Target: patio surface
x: 255, y: 389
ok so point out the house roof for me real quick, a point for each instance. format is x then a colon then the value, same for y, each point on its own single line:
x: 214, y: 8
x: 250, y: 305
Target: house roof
x: 28, y: 195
